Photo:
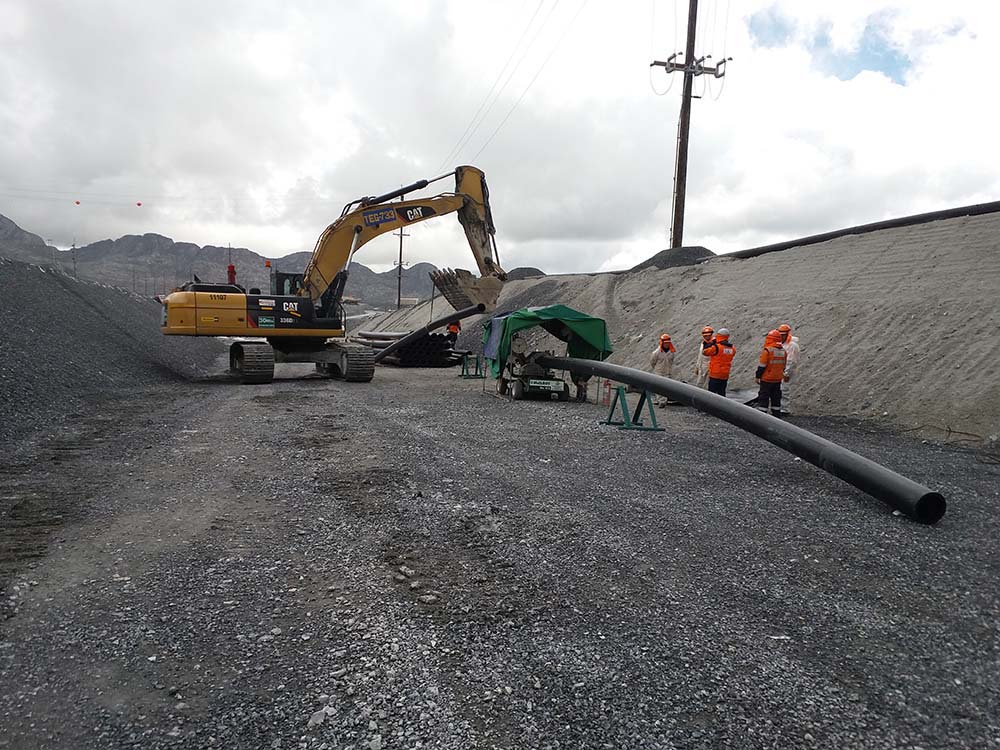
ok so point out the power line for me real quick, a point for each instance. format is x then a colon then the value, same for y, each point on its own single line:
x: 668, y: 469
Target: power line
x: 531, y: 83
x: 446, y: 161
x: 510, y: 76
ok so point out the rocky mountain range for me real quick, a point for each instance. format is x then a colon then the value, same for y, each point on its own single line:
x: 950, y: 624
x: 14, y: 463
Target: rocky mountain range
x: 152, y: 264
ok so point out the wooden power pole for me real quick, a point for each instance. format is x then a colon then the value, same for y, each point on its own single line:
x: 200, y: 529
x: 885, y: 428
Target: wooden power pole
x: 691, y: 67
x: 399, y: 272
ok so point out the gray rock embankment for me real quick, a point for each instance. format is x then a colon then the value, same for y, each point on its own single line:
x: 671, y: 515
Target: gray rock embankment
x: 70, y: 346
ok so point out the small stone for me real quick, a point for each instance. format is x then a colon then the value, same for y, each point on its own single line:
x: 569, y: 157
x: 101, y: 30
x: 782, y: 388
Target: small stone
x: 317, y: 718
x: 408, y: 572
x: 372, y: 725
x: 275, y: 631
x: 151, y: 658
x: 375, y: 743
x: 428, y: 598
x: 414, y: 585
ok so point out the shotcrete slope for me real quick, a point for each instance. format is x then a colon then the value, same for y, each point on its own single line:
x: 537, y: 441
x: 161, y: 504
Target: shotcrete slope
x: 897, y: 325
x: 71, y: 345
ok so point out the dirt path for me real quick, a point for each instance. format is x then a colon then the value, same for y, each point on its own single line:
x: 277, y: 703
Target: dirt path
x: 415, y: 561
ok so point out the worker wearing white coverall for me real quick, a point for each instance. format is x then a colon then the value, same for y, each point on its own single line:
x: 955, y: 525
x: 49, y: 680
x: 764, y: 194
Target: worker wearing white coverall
x: 701, y: 363
x: 793, y: 357
x: 661, y: 362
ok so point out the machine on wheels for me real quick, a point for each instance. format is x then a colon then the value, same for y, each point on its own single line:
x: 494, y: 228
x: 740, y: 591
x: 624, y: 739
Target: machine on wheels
x: 518, y: 371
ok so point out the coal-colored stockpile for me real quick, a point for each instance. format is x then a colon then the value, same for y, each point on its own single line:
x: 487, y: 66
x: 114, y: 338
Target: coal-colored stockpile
x: 433, y: 350
x: 68, y: 345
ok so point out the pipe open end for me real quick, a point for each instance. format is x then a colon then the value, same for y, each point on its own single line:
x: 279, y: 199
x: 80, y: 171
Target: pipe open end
x: 930, y: 508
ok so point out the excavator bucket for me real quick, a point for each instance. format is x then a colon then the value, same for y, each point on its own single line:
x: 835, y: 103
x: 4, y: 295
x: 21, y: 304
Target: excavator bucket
x: 462, y: 289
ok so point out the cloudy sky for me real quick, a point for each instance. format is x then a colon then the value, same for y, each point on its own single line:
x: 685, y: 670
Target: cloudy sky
x: 251, y: 122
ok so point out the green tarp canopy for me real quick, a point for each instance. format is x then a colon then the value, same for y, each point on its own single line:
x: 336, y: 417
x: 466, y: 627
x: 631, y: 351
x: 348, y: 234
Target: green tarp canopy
x: 586, y: 337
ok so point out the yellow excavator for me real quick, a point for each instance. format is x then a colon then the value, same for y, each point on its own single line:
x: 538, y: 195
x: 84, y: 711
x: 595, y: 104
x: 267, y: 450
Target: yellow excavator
x: 302, y: 318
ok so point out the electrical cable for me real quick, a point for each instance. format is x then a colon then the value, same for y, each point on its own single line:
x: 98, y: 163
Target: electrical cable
x: 486, y: 98
x: 653, y: 87
x: 569, y: 26
x: 510, y: 77
x: 652, y: 47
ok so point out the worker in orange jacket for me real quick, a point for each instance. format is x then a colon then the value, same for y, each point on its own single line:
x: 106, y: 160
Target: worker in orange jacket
x: 453, y: 330
x: 770, y: 373
x: 720, y: 353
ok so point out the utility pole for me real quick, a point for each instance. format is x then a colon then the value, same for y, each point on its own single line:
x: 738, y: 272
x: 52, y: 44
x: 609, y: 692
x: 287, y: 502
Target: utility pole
x: 74, y: 259
x: 691, y: 67
x: 399, y: 271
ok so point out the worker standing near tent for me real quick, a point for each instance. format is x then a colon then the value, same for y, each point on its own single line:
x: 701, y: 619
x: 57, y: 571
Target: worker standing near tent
x: 700, y: 363
x: 793, y: 357
x: 661, y: 362
x: 770, y: 373
x: 720, y: 353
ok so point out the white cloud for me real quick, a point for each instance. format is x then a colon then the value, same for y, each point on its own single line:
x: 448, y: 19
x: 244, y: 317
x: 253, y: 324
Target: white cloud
x: 254, y: 122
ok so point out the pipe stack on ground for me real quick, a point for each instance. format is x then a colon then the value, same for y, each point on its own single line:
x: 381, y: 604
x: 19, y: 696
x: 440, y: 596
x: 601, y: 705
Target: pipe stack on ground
x: 421, y: 348
x: 430, y: 350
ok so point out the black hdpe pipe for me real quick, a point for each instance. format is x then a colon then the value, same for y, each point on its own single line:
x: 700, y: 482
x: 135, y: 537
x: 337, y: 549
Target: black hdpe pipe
x: 421, y: 332
x: 916, y: 501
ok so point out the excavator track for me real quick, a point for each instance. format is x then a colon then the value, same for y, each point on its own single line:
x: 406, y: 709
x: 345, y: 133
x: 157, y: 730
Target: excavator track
x: 252, y: 362
x: 360, y: 364
x: 351, y: 362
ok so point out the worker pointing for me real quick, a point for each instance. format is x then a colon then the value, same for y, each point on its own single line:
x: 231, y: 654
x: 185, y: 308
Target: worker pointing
x: 661, y: 362
x: 700, y: 363
x: 770, y: 373
x: 720, y: 353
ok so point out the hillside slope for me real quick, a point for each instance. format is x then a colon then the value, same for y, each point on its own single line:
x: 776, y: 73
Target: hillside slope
x: 150, y: 264
x: 70, y: 345
x: 899, y: 325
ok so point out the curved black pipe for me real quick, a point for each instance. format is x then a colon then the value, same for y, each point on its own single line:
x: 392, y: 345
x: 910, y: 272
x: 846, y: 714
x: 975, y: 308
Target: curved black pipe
x: 916, y: 501
x: 421, y: 332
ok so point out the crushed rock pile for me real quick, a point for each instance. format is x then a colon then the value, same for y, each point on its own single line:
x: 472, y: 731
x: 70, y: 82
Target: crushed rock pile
x: 897, y: 325
x: 69, y: 345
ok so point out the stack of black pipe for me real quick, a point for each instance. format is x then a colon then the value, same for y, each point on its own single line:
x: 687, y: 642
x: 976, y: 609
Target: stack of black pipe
x: 432, y: 350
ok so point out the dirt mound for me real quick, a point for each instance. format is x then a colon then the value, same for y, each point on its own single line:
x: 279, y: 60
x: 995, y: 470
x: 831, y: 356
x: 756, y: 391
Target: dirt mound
x: 67, y: 344
x: 896, y: 325
x: 524, y: 272
x: 678, y: 256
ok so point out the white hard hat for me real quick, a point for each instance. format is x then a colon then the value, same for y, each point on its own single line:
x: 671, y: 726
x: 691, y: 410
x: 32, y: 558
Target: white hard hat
x: 723, y: 332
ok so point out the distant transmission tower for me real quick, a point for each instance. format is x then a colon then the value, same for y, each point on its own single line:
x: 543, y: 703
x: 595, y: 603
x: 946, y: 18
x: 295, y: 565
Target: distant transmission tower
x: 691, y: 67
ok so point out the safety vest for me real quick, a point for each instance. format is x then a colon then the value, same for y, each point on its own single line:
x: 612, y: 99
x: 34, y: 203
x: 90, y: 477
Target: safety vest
x: 773, y: 361
x: 720, y: 354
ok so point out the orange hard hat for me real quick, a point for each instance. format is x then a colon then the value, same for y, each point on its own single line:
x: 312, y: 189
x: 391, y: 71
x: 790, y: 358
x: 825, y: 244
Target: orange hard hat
x: 784, y: 328
x: 665, y: 337
x: 772, y: 337
x: 707, y: 331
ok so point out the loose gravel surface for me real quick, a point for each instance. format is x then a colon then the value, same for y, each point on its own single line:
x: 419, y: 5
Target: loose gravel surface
x: 67, y: 344
x: 416, y: 563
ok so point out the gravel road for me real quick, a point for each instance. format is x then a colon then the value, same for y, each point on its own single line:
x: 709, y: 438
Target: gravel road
x: 416, y: 563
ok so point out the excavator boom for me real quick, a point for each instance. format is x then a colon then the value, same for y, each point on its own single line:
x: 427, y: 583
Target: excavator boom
x: 367, y: 218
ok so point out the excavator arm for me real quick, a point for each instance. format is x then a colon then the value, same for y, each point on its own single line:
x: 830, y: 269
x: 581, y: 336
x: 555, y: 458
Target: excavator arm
x: 367, y: 218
